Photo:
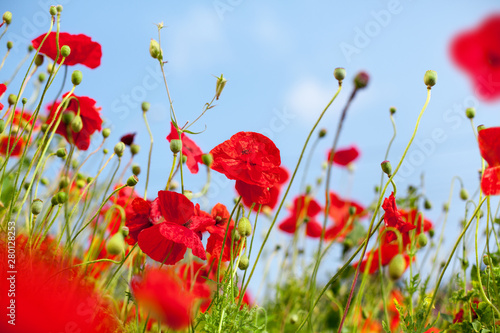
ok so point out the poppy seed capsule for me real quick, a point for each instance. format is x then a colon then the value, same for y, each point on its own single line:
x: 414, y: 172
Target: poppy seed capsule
x: 422, y: 240
x: 77, y: 124
x: 145, y: 106
x: 361, y: 80
x: 175, y: 146
x: 470, y: 113
x: 36, y: 206
x: 134, y: 149
x: 68, y: 117
x: 244, y: 262
x: 9, y: 45
x: 39, y: 60
x: 61, y: 152
x: 116, y: 244
x: 136, y: 170
x: 59, y: 8
x: 119, y: 149
x: 397, y: 266
x: 154, y: 49
x: 106, y: 132
x: 65, y: 51
x: 62, y: 197
x: 207, y: 159
x: 132, y: 181
x: 244, y: 227
x: 430, y: 78
x: 386, y: 167
x: 53, y: 10
x: 339, y: 73
x: 464, y: 195
x: 7, y: 17
x: 76, y: 77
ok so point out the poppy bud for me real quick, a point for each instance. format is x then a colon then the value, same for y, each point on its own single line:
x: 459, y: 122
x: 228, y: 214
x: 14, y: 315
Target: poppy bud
x: 24, y: 100
x: 9, y: 45
x: 63, y: 182
x: 12, y: 99
x: 219, y: 86
x: 175, y: 146
x: 59, y: 8
x: 446, y: 207
x: 44, y: 181
x: 53, y: 10
x: 30, y: 48
x: 41, y: 77
x: 465, y: 263
x: 422, y: 240
x: 154, y: 49
x: 322, y: 133
x: 430, y: 78
x: 470, y: 113
x: 105, y: 151
x: 431, y: 233
x: 207, y: 159
x: 136, y: 170
x: 339, y: 73
x: 132, y: 181
x: 80, y: 183
x: 65, y: 51
x: 361, y: 80
x: 7, y: 17
x: 77, y: 124
x: 480, y: 127
x: 173, y: 185
x: 464, y: 195
x: 386, y: 167
x: 352, y: 210
x: 116, y: 244
x: 145, y: 106
x: 486, y: 259
x: 235, y: 235
x: 308, y: 189
x: 106, y: 132
x: 61, y: 152
x: 188, y: 194
x: 125, y: 231
x: 134, y: 149
x: 36, y: 206
x: 54, y: 201
x: 119, y: 149
x: 50, y: 68
x: 397, y: 266
x: 244, y: 227
x: 392, y: 110
x: 427, y: 204
x: 68, y: 117
x: 89, y: 179
x: 39, y: 60
x: 2, y: 125
x: 244, y: 262
x: 62, y: 197
x: 76, y: 77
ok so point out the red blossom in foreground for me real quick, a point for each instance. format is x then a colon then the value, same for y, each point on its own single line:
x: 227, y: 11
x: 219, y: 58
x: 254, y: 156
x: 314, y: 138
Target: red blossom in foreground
x: 215, y: 242
x: 12, y: 145
x: 249, y: 157
x: 489, y: 146
x: 83, y: 50
x: 477, y: 52
x: 189, y: 149
x: 304, y: 210
x: 394, y: 219
x: 344, y: 156
x: 91, y: 120
x: 250, y: 192
x: 160, y: 292
x: 342, y: 219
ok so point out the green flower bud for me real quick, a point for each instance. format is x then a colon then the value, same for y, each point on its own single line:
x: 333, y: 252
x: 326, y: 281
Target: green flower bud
x: 470, y: 113
x: 154, y: 49
x: 53, y: 10
x: 134, y: 149
x: 7, y: 17
x: 105, y: 151
x: 44, y: 181
x: 392, y: 110
x: 77, y: 124
x: 464, y: 195
x: 106, y: 132
x: 175, y: 146
x: 12, y: 99
x: 219, y: 86
x: 431, y: 233
x: 397, y: 266
x: 184, y: 159
x: 62, y: 197
x: 145, y: 106
x: 30, y: 48
x: 174, y: 185
x: 63, y: 182
x: 244, y: 227
x: 207, y: 159
x: 24, y: 100
x: 422, y: 240
x: 36, y: 206
x: 39, y: 60
x: 68, y: 117
x: 486, y: 260
x: 65, y: 51
x: 235, y: 235
x: 361, y: 80
x: 465, y: 263
x: 386, y: 168
x: 59, y: 8
x: 427, y: 204
x: 116, y: 244
x: 76, y: 77
x: 119, y: 149
x: 322, y: 133
x: 339, y: 73
x: 125, y: 231
x: 244, y: 262
x: 188, y: 194
x: 480, y: 127
x: 61, y: 152
x: 136, y: 170
x: 41, y: 77
x: 51, y: 68
x: 430, y: 78
x: 352, y: 210
x: 2, y: 125
x: 54, y: 201
x: 446, y: 207
x: 26, y: 186
x: 10, y: 45
x: 80, y: 183
x: 89, y: 179
x: 132, y: 181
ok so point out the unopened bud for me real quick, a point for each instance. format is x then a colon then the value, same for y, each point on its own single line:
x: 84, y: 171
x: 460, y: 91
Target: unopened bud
x: 175, y: 146
x: 2, y: 125
x: 322, y: 133
x: 244, y: 227
x: 427, y: 204
x: 136, y: 170
x: 106, y: 132
x: 7, y: 17
x: 59, y: 8
x: 77, y: 124
x: 188, y: 194
x: 397, y: 266
x: 61, y: 152
x: 63, y: 182
x: 62, y: 197
x: 116, y: 244
x: 207, y: 159
x: 430, y: 78
x: 470, y: 113
x: 68, y: 117
x: 65, y: 51
x: 422, y: 240
x: 154, y: 49
x: 339, y: 73
x: 361, y: 80
x: 53, y: 11
x: 244, y: 262
x: 39, y: 60
x: 134, y: 149
x: 386, y: 167
x: 36, y: 206
x: 132, y: 181
x: 464, y: 195
x: 392, y: 110
x: 41, y: 77
x: 145, y: 106
x: 10, y: 45
x: 219, y: 86
x: 12, y: 99
x: 119, y: 149
x: 76, y: 77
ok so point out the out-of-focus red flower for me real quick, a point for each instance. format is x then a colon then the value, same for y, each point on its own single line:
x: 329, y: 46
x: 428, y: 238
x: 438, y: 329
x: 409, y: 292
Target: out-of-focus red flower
x: 252, y: 193
x: 386, y: 252
x: 64, y: 298
x: 217, y: 231
x: 160, y: 292
x: 459, y: 316
x: 339, y: 212
x: 477, y: 52
x: 83, y: 50
x: 89, y: 113
x: 166, y: 242
x: 393, y: 218
x: 248, y: 195
x: 11, y: 144
x: 249, y: 157
x: 433, y: 330
x: 128, y: 139
x: 304, y: 210
x: 139, y: 217
x: 123, y: 198
x: 189, y: 148
x: 344, y: 156
x: 17, y: 142
x: 3, y: 88
x: 489, y: 146
x: 393, y: 311
x: 195, y: 278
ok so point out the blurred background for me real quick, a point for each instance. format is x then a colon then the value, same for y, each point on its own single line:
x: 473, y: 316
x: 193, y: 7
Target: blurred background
x: 279, y: 58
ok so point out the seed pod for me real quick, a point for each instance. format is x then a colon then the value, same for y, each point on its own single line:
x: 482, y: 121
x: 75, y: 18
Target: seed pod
x: 244, y: 262
x: 339, y: 73
x: 36, y: 206
x: 397, y: 266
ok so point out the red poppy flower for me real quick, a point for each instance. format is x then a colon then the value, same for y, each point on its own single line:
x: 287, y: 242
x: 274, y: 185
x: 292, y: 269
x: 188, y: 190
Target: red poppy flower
x: 304, y: 210
x: 394, y: 218
x: 162, y: 293
x: 167, y: 241
x: 3, y: 88
x: 250, y: 193
x: 344, y: 156
x: 220, y: 216
x: 477, y: 52
x: 189, y: 148
x: 83, y: 50
x: 195, y: 277
x: 139, y: 217
x: 12, y: 144
x: 249, y: 157
x: 123, y: 198
x: 489, y: 146
x: 339, y: 212
x: 90, y: 115
x: 387, y: 252
x: 128, y: 139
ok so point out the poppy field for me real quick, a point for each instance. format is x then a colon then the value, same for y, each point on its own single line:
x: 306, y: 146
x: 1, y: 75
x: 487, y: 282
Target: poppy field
x: 87, y: 245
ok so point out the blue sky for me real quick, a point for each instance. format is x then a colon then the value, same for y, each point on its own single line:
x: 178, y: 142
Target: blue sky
x: 279, y: 58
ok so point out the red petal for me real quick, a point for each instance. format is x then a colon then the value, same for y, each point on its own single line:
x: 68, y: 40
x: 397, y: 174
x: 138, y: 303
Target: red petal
x: 252, y: 193
x: 175, y: 207
x: 489, y: 145
x: 313, y: 229
x: 344, y: 156
x: 490, y: 183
